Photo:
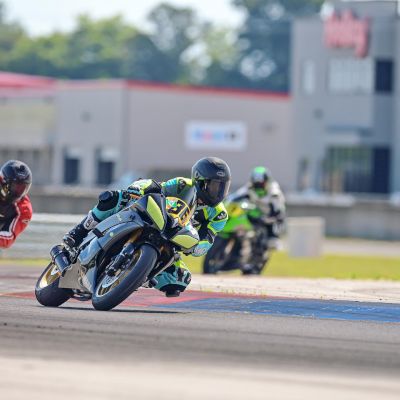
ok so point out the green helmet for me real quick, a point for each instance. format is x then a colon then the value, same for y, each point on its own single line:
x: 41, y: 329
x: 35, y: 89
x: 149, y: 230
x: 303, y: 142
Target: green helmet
x: 259, y: 180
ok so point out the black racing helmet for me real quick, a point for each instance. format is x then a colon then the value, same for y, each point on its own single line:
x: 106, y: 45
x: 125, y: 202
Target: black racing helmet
x: 15, y: 180
x: 212, y: 178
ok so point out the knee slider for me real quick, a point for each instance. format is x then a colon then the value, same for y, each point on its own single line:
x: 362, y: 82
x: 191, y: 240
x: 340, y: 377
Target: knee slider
x: 108, y: 200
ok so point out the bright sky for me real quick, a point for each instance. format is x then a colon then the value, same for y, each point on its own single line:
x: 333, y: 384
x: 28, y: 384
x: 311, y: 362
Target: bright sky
x: 44, y: 16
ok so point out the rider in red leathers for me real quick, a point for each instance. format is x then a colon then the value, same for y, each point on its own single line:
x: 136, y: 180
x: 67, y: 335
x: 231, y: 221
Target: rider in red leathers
x: 15, y: 206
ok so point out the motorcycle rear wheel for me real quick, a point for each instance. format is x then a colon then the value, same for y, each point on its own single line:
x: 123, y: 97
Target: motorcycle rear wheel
x: 113, y: 290
x: 47, y: 291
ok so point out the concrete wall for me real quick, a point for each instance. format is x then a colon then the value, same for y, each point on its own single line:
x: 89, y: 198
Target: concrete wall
x: 321, y: 118
x: 159, y: 117
x: 145, y: 125
x: 396, y: 119
x: 90, y: 118
x: 27, y: 129
x: 361, y: 218
x: 344, y: 217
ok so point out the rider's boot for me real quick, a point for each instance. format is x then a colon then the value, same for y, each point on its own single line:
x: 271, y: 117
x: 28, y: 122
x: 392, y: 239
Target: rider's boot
x: 76, y: 235
x: 173, y: 280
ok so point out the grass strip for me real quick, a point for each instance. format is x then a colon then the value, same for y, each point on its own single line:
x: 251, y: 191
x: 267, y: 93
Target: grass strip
x: 329, y: 266
x: 281, y: 265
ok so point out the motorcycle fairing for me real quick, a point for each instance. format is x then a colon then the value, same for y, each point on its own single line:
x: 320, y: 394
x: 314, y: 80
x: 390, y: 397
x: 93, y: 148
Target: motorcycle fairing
x: 154, y: 206
x: 186, y: 237
x: 82, y: 275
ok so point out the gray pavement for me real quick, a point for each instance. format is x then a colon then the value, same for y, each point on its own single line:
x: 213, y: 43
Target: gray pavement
x: 147, y: 353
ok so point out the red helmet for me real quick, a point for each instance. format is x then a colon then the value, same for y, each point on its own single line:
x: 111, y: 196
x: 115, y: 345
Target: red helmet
x: 15, y: 180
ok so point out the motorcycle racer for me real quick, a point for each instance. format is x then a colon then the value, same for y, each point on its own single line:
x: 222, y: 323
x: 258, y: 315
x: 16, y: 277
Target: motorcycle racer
x: 15, y: 205
x: 265, y: 193
x: 210, y: 176
x: 269, y: 215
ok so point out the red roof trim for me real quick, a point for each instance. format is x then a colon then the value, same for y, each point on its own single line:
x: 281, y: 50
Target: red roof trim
x: 9, y: 80
x: 12, y: 80
x: 207, y: 90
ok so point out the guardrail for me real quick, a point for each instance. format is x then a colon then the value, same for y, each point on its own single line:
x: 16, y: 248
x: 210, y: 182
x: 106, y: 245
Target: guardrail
x: 46, y: 230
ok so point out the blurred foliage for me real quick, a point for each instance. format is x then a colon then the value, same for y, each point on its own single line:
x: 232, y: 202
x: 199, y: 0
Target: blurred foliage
x: 264, y: 41
x: 179, y: 47
x: 10, y: 34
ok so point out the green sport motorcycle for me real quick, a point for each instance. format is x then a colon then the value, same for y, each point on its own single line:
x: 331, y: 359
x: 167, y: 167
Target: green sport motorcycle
x: 242, y: 244
x: 124, y: 252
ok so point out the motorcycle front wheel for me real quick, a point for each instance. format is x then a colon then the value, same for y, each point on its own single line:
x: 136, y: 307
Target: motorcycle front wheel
x: 113, y: 290
x: 47, y: 291
x: 220, y: 257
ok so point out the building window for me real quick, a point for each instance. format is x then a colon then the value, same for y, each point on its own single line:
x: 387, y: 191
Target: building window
x: 384, y: 76
x: 357, y: 170
x: 105, y: 160
x: 71, y: 168
x: 352, y: 76
x: 105, y: 172
x: 308, y: 78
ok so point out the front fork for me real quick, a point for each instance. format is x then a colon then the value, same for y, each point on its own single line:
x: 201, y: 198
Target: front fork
x: 125, y: 254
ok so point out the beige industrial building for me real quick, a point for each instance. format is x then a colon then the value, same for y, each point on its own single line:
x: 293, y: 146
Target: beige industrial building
x: 90, y: 133
x: 337, y: 132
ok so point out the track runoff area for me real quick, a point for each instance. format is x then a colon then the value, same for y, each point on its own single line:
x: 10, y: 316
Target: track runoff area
x: 242, y: 346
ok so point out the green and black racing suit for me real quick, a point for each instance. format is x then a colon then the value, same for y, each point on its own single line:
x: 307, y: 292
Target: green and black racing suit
x: 207, y: 220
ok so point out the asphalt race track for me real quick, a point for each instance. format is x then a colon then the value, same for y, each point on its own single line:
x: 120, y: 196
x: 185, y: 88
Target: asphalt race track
x: 199, y: 346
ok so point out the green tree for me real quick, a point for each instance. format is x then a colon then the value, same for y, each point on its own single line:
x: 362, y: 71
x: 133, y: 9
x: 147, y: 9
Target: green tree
x: 39, y: 56
x: 264, y: 40
x: 98, y: 49
x: 145, y: 61
x: 174, y: 31
x: 10, y: 34
x: 179, y: 47
x: 220, y: 57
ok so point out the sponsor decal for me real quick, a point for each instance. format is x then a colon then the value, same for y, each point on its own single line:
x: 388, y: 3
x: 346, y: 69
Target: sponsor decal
x: 347, y: 31
x: 231, y: 136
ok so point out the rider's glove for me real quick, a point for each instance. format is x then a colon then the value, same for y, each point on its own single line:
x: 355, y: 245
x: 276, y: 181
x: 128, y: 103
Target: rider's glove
x: 200, y: 249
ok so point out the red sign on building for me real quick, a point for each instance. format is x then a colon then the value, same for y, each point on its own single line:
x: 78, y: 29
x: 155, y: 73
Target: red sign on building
x: 347, y: 31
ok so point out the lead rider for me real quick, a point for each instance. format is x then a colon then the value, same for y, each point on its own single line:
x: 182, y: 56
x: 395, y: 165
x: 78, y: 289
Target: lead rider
x: 211, y: 177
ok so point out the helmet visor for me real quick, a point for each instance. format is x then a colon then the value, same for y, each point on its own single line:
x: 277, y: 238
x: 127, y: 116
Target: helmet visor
x: 260, y: 185
x: 16, y: 190
x: 215, y: 191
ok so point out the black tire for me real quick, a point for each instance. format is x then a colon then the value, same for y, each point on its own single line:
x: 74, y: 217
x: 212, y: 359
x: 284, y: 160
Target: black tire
x: 133, y: 277
x: 47, y: 291
x: 216, y: 259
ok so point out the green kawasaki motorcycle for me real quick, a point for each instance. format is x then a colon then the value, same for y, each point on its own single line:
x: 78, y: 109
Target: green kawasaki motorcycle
x: 124, y: 252
x: 242, y: 244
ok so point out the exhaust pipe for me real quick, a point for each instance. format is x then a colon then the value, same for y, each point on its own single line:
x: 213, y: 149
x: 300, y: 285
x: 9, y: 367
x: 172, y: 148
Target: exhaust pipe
x: 60, y: 258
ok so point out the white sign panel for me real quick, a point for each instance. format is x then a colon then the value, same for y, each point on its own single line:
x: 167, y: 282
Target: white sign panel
x: 202, y: 135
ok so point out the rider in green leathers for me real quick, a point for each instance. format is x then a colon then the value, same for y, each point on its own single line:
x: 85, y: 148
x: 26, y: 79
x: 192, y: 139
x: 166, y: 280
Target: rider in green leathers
x: 265, y: 193
x: 211, y: 177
